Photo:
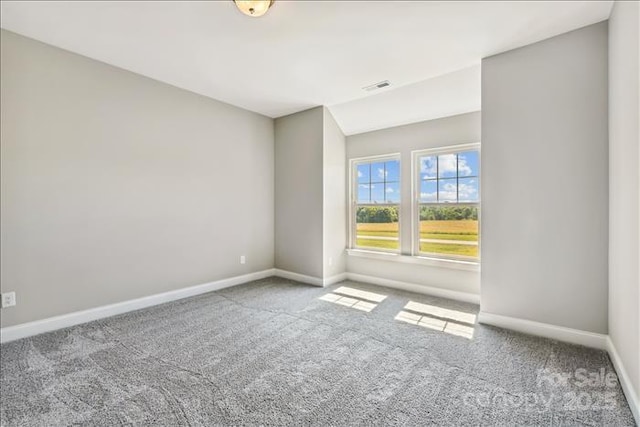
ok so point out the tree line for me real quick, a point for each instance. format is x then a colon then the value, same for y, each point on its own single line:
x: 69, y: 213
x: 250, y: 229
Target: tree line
x: 448, y: 213
x: 379, y: 214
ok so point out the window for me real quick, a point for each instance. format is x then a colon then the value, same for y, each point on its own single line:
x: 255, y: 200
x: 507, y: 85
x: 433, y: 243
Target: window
x: 448, y: 202
x: 375, y: 207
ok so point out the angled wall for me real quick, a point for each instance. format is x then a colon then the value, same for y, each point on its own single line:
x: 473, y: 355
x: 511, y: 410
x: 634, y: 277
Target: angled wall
x: 544, y: 181
x: 335, y: 197
x: 310, y: 232
x: 299, y: 192
x: 624, y: 190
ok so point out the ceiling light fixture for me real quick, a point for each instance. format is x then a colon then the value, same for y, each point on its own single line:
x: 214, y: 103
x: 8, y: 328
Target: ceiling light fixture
x: 254, y: 8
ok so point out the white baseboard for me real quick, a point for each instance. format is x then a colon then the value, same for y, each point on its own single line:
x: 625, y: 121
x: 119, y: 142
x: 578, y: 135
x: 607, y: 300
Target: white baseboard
x: 574, y: 336
x: 560, y: 333
x: 411, y: 287
x: 309, y: 280
x: 419, y: 289
x: 625, y: 381
x: 37, y: 327
x: 334, y: 279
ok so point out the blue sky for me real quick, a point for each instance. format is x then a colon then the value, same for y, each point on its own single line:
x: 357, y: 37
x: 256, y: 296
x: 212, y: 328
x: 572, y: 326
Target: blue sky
x: 438, y: 177
x: 379, y: 182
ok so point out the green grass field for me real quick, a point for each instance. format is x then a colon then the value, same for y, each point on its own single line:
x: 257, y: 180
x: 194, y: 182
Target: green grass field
x: 449, y: 249
x: 463, y: 230
x: 385, y: 229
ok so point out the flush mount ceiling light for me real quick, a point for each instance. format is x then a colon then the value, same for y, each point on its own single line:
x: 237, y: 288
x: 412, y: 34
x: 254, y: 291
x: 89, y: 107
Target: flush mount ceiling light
x: 254, y: 8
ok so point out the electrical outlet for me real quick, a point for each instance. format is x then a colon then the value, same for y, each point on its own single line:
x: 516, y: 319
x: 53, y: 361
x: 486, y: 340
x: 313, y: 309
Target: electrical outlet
x: 330, y: 261
x: 8, y: 299
x: 243, y: 260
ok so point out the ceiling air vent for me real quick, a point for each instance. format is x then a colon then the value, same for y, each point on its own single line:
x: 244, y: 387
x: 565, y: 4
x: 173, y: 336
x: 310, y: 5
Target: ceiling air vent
x: 377, y: 86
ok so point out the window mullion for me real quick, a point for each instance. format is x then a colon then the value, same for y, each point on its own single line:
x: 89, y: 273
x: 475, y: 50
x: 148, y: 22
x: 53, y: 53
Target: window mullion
x: 370, y: 182
x: 438, y: 179
x: 457, y: 180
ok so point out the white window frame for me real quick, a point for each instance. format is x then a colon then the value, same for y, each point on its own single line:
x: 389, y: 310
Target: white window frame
x: 415, y: 205
x: 353, y: 201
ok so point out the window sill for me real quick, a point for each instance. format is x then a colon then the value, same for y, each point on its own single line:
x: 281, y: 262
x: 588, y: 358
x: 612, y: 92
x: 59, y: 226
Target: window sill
x: 421, y: 260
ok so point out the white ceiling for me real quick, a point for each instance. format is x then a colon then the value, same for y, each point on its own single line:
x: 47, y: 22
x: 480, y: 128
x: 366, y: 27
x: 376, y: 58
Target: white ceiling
x: 442, y: 96
x: 307, y: 53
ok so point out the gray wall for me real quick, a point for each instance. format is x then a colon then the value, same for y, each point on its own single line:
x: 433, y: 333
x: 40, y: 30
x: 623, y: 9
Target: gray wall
x: 335, y: 197
x: 464, y: 128
x: 116, y: 186
x: 624, y: 186
x: 544, y: 181
x: 299, y: 192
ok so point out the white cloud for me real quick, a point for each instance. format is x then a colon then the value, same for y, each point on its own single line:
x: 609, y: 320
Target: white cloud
x: 448, y: 192
x: 389, y: 190
x: 429, y: 197
x: 449, y: 186
x: 381, y: 173
x: 428, y: 165
x: 463, y: 168
x: 446, y: 165
x: 359, y: 174
x: 466, y: 192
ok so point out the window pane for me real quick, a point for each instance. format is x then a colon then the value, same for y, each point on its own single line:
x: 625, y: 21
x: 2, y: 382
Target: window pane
x: 468, y: 163
x: 378, y: 183
x: 449, y: 230
x: 447, y: 190
x: 468, y: 190
x: 447, y: 166
x: 377, y: 193
x: 377, y: 172
x: 429, y: 191
x: 377, y: 227
x: 428, y: 167
x: 392, y: 192
x: 363, y: 193
x: 363, y: 173
x: 393, y: 170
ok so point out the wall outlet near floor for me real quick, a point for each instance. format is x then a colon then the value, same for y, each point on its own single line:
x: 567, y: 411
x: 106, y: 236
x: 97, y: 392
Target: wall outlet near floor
x: 243, y: 259
x: 8, y: 299
x: 330, y: 261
